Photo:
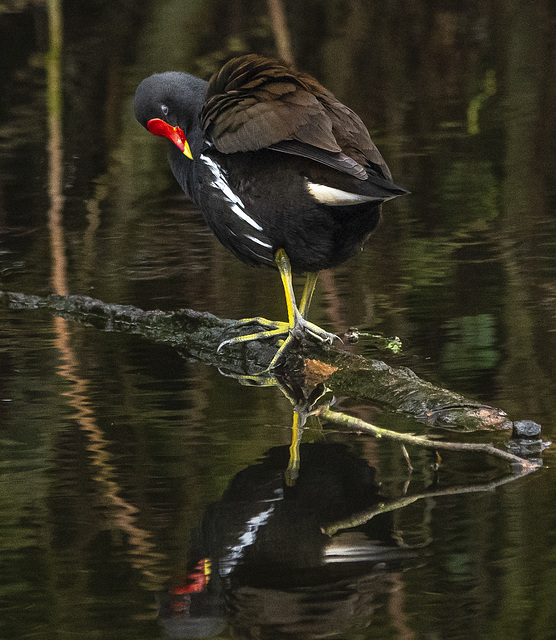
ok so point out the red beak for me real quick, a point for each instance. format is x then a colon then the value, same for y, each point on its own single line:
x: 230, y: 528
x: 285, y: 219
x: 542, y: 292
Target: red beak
x: 175, y: 134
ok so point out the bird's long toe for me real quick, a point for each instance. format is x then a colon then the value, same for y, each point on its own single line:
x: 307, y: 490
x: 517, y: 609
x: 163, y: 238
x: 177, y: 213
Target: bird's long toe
x: 270, y: 329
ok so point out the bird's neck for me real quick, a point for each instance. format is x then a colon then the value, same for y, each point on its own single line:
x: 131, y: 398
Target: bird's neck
x: 184, y: 169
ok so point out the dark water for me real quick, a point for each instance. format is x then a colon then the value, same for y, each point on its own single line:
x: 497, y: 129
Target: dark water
x: 142, y: 493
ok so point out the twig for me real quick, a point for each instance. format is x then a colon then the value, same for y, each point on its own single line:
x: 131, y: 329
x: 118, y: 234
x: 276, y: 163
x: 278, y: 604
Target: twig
x: 407, y: 458
x: 525, y: 466
x: 361, y: 518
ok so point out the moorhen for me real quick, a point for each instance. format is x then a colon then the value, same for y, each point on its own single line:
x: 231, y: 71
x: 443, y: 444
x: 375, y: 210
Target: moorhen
x: 284, y: 174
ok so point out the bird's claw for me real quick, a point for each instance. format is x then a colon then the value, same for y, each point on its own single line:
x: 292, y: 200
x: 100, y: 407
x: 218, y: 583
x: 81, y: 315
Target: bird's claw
x: 308, y: 328
x: 223, y: 344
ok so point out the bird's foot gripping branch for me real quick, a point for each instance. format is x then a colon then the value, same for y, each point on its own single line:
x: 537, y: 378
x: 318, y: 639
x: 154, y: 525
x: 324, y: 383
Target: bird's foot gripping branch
x: 297, y: 326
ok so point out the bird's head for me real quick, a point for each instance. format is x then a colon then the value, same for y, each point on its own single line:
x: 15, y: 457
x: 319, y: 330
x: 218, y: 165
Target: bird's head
x: 168, y: 104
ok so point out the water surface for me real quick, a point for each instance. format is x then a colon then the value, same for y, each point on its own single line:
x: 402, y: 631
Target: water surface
x: 142, y: 493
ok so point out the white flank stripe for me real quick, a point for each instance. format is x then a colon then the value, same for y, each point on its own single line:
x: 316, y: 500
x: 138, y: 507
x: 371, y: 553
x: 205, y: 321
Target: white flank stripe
x: 241, y: 214
x: 263, y: 244
x: 221, y: 183
x: 234, y: 553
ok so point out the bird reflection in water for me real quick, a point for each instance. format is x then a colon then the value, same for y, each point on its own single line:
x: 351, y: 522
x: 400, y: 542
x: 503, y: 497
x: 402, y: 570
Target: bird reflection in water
x: 262, y: 561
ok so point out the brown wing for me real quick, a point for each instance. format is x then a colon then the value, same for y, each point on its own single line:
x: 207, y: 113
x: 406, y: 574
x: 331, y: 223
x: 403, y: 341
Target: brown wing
x: 254, y: 103
x: 348, y: 129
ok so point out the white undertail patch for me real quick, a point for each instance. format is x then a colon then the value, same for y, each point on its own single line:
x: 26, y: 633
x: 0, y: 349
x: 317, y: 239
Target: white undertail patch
x: 337, y: 197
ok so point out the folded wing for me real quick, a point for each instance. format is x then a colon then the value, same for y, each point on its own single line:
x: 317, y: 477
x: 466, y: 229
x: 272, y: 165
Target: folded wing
x: 254, y: 103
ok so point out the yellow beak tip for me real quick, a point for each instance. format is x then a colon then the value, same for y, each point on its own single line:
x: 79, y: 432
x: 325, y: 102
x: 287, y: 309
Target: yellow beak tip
x: 187, y: 150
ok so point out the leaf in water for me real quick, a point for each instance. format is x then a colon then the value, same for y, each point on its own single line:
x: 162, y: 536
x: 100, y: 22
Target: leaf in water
x: 317, y: 371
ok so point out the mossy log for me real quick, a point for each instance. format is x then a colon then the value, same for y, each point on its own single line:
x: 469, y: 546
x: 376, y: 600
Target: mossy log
x: 197, y: 335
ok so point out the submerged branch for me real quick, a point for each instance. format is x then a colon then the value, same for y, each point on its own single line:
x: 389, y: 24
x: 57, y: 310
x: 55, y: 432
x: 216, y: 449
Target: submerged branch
x: 524, y: 466
x: 520, y: 467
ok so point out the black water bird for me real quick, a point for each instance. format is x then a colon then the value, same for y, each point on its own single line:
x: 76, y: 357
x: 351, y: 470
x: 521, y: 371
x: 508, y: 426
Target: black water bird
x: 284, y: 174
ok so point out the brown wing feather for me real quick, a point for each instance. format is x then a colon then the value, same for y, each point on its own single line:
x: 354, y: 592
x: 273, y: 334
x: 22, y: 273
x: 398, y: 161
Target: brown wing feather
x: 254, y: 103
x: 348, y: 128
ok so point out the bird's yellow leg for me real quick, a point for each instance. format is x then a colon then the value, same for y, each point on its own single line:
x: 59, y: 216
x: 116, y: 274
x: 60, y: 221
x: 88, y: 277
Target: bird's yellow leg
x: 273, y: 328
x: 297, y: 433
x: 308, y: 290
x: 297, y: 325
x: 284, y: 267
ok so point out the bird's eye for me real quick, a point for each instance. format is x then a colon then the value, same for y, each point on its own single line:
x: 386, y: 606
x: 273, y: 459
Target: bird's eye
x: 164, y: 109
